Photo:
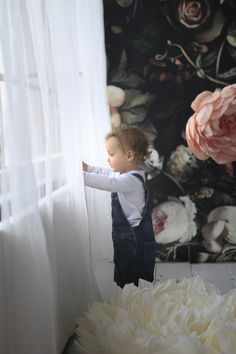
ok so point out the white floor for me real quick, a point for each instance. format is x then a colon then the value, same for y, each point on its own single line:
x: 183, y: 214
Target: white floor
x: 222, y: 275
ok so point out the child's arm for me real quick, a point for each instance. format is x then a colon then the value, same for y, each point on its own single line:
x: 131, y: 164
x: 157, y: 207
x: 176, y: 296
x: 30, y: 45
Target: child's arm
x: 113, y: 182
x: 99, y: 170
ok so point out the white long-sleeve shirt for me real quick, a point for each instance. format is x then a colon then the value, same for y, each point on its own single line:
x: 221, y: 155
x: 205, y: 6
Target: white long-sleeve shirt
x: 130, y: 189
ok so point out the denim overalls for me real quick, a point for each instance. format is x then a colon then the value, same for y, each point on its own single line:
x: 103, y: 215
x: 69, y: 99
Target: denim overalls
x: 134, y: 247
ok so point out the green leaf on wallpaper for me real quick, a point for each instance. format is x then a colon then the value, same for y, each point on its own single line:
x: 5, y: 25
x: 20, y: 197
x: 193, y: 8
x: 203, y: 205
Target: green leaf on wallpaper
x: 133, y: 80
x: 230, y: 74
x: 137, y: 98
x: 232, y: 51
x: 144, y: 45
x: 117, y: 76
x: 200, y: 73
x: 152, y: 30
x: 231, y: 36
x: 135, y: 115
x: 208, y: 59
x: 222, y: 198
x: 149, y: 40
x: 119, y: 73
x: 198, y: 61
x: 127, y: 79
x: 123, y: 61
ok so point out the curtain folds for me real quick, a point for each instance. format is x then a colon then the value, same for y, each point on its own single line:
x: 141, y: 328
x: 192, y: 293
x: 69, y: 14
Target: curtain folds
x: 54, y: 114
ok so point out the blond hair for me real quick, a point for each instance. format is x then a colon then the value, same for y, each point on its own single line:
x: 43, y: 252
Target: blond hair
x: 132, y: 138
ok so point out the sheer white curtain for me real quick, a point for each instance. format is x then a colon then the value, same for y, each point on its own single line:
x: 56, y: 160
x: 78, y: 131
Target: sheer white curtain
x: 53, y: 115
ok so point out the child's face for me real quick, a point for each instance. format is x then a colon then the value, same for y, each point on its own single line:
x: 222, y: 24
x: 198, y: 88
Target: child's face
x: 119, y: 160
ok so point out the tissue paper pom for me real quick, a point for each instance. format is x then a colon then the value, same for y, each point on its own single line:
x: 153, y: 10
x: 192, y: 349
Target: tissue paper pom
x: 189, y: 316
x: 211, y: 130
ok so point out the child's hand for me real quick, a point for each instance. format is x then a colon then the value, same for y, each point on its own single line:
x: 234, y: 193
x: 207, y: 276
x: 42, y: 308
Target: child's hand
x: 85, y: 166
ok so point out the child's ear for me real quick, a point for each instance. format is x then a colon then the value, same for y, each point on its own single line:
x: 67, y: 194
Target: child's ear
x: 130, y: 155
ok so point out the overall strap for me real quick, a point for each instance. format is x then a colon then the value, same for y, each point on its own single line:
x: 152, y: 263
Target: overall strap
x: 145, y: 188
x: 138, y: 176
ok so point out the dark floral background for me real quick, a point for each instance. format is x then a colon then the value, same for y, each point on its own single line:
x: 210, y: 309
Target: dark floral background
x: 160, y: 55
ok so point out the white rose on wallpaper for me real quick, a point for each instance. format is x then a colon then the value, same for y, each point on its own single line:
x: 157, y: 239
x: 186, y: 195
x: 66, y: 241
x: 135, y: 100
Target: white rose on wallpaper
x: 189, y: 316
x: 116, y: 98
x: 174, y: 220
x: 181, y: 163
x: 153, y: 162
x: 220, y: 227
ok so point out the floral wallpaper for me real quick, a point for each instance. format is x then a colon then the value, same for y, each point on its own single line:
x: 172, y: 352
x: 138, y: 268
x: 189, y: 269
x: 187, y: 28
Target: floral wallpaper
x: 161, y: 54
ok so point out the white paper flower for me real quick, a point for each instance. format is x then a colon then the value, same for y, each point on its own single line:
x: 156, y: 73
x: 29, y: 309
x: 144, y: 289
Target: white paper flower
x: 189, y: 316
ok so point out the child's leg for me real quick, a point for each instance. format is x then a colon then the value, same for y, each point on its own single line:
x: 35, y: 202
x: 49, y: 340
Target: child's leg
x: 125, y: 257
x: 146, y: 254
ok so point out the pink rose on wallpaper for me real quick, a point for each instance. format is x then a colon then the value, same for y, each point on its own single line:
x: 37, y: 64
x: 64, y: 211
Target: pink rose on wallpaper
x: 211, y: 130
x: 193, y: 14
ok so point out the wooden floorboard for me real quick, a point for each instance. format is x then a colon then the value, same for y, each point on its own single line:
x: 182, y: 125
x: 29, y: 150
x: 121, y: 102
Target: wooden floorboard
x: 214, y: 273
x: 231, y: 268
x: 177, y: 271
x: 221, y: 275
